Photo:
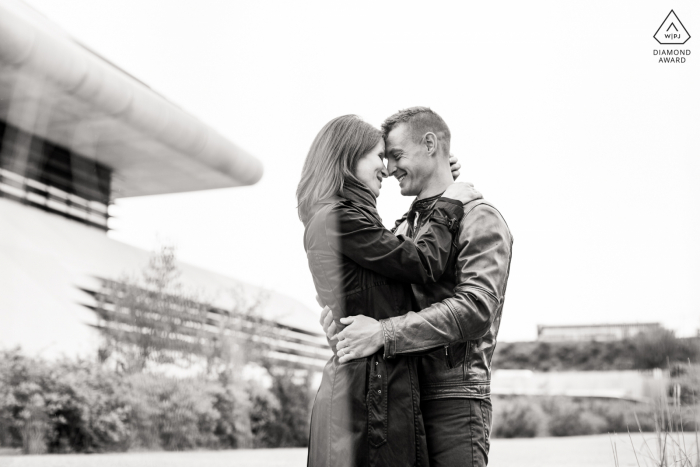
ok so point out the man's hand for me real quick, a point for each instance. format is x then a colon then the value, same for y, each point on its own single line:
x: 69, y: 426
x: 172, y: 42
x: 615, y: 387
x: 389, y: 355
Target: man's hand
x: 362, y: 337
x: 454, y: 166
x: 328, y: 324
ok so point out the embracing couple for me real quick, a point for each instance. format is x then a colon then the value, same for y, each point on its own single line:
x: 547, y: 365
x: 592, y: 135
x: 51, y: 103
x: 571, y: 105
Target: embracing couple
x: 411, y: 314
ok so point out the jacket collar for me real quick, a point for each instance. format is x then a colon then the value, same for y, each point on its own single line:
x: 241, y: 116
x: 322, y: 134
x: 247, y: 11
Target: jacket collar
x: 425, y: 204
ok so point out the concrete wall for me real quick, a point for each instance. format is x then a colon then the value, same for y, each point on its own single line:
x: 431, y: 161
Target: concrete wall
x: 631, y: 385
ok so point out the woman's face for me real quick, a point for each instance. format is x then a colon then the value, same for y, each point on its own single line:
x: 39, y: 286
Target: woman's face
x: 371, y: 170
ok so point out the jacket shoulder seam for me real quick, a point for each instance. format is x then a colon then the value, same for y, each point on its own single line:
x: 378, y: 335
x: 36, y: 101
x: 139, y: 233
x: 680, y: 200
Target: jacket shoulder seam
x: 486, y: 204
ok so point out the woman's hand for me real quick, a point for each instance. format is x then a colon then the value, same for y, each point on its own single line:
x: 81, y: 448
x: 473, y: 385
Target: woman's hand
x: 361, y: 337
x: 328, y: 324
x: 454, y: 166
x: 461, y: 191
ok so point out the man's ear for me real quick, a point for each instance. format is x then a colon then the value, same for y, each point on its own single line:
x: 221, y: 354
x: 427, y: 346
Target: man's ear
x: 430, y: 141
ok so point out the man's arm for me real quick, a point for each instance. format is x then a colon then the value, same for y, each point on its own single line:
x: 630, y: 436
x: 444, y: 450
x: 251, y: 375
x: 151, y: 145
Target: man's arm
x: 483, y: 265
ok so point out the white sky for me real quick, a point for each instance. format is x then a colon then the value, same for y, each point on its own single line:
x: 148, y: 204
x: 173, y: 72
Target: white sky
x: 559, y: 112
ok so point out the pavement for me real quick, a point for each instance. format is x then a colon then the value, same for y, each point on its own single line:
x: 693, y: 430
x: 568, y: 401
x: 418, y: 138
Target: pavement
x: 574, y: 451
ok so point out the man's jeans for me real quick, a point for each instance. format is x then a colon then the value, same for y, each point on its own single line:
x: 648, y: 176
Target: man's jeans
x: 458, y: 431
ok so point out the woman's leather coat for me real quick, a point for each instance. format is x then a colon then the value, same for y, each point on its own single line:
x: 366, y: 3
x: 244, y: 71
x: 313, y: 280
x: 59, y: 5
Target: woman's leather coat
x: 367, y: 411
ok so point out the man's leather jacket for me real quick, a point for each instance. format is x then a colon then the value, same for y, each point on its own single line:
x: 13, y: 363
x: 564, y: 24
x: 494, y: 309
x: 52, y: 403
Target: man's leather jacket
x: 457, y: 326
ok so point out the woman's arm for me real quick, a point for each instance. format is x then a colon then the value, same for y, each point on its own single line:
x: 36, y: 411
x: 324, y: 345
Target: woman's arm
x: 354, y: 235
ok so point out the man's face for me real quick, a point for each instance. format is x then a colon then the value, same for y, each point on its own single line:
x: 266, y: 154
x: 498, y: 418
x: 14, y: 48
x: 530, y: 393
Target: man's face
x: 407, y: 160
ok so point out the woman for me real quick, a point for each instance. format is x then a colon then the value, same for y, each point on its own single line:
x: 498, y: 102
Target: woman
x: 366, y: 411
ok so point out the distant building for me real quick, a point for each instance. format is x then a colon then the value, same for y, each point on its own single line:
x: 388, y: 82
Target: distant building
x: 77, y: 132
x: 594, y: 332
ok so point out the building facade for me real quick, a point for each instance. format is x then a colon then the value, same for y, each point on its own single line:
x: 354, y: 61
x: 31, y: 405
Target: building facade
x: 76, y: 133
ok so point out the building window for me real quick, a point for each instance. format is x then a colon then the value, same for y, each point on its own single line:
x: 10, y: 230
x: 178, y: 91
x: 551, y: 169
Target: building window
x: 47, y: 176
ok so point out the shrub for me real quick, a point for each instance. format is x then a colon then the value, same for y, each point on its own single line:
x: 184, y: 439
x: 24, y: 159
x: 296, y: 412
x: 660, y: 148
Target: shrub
x: 686, y: 379
x: 78, y: 406
x: 86, y: 408
x: 264, y: 417
x: 63, y: 407
x: 523, y: 416
x: 173, y: 414
x: 280, y: 416
x: 568, y: 418
x: 233, y: 429
x: 620, y: 415
x: 644, y: 351
x: 518, y: 417
x: 656, y: 350
x: 10, y: 434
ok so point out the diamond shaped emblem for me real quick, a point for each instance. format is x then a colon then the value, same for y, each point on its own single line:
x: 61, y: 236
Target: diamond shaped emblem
x: 672, y: 31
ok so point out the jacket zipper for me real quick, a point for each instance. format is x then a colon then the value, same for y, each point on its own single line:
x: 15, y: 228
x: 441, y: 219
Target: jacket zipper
x: 447, y: 356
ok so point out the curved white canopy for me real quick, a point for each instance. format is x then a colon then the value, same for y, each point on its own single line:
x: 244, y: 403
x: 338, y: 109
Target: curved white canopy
x: 53, y: 87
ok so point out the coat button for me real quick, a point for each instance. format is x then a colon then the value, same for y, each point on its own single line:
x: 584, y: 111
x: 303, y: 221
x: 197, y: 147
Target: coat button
x: 379, y: 376
x: 380, y: 391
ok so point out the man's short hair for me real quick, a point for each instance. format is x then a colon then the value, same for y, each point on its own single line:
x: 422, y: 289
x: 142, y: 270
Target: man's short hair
x: 420, y: 121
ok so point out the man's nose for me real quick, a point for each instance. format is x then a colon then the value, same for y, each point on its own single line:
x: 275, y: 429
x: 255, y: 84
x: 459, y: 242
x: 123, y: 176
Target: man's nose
x: 390, y: 167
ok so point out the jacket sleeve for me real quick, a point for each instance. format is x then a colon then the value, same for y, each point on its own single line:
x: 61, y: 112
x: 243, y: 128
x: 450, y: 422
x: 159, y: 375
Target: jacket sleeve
x: 483, y: 265
x: 354, y: 235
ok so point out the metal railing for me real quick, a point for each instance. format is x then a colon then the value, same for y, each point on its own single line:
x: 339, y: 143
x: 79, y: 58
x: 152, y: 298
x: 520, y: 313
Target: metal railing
x: 52, y: 199
x: 199, y: 329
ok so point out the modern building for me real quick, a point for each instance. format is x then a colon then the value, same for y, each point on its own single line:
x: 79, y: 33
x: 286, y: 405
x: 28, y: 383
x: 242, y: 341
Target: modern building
x: 594, y: 332
x: 76, y: 133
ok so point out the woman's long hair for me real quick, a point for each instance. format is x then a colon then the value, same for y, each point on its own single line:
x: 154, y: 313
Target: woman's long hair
x: 332, y: 160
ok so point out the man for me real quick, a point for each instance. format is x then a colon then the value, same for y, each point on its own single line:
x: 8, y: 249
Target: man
x: 455, y: 330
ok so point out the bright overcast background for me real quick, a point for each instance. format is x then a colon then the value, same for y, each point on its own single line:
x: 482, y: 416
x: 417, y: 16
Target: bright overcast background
x: 560, y: 114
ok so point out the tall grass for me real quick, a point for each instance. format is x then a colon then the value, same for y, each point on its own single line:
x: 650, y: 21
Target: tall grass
x: 670, y: 445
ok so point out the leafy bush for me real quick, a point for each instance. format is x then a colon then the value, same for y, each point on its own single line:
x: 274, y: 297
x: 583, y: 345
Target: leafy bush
x: 64, y: 407
x: 518, y: 417
x: 295, y: 398
x: 686, y: 379
x: 172, y: 414
x: 86, y: 408
x: 568, y: 418
x: 526, y: 417
x: 280, y: 416
x: 81, y: 407
x: 264, y: 417
x: 658, y: 349
x: 233, y: 429
x: 619, y: 415
x: 643, y: 352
